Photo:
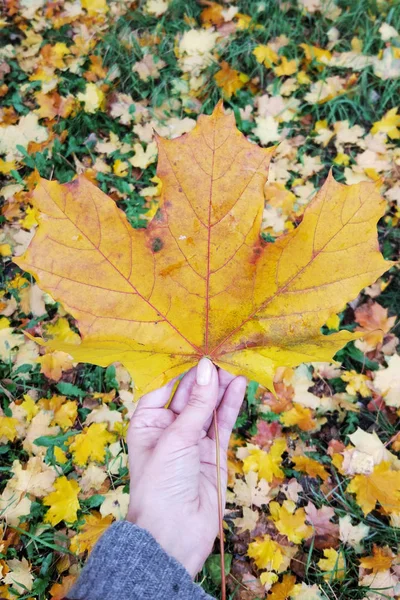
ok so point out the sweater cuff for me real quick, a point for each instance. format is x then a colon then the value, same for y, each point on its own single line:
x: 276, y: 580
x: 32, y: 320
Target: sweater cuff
x: 128, y: 564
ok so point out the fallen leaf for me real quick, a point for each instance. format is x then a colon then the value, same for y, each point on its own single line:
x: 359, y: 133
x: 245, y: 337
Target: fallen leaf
x: 333, y: 565
x: 382, y: 485
x: 148, y: 67
x: 211, y: 251
x: 252, y: 492
x: 59, y: 591
x: 387, y: 382
x: 90, y: 444
x: 8, y: 429
x: 115, y: 503
x: 19, y: 576
x: 352, y: 534
x: 266, y: 464
x: 93, y: 527
x: 248, y: 521
x: 63, y: 502
x: 283, y: 589
x: 389, y: 124
x: 28, y: 130
x: 369, y: 443
x: 92, y: 98
x: 312, y: 467
x: 320, y: 519
x: 381, y: 559
x: 290, y: 522
x: 267, y: 553
x: 53, y: 364
x: 229, y: 80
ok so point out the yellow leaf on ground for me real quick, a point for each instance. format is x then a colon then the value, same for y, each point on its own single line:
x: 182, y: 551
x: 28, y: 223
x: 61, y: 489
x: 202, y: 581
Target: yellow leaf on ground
x: 286, y: 67
x: 59, y: 591
x: 8, y: 428
x: 53, y: 364
x: 65, y: 411
x: 92, y: 98
x: 265, y: 54
x: 290, y: 522
x: 383, y: 486
x: 63, y: 502
x: 93, y: 527
x: 283, y: 589
x: 300, y: 416
x: 333, y: 564
x: 389, y: 124
x: 310, y: 466
x: 229, y: 80
x: 266, y: 553
x: 156, y: 299
x: 381, y: 559
x: 91, y: 444
x: 266, y: 464
x: 95, y: 7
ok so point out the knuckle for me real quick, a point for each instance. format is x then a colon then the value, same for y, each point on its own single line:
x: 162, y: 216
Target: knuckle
x: 197, y: 399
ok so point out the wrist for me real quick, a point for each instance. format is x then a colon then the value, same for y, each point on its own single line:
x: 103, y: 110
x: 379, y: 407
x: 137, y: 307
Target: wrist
x: 173, y: 541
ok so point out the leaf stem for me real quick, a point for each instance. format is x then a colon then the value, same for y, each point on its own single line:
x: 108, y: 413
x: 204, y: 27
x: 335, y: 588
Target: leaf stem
x: 220, y: 510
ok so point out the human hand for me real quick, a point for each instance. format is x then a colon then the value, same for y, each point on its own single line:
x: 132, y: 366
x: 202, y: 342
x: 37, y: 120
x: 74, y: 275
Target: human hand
x: 172, y: 461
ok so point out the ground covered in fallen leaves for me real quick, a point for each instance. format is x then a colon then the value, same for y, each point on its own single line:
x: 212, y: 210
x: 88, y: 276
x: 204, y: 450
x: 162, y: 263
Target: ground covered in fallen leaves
x: 314, y: 487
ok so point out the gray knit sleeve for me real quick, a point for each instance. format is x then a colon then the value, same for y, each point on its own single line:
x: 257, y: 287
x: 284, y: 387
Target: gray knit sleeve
x: 128, y: 564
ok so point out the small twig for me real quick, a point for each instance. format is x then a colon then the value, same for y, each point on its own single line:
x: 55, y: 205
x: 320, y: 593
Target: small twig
x: 220, y: 511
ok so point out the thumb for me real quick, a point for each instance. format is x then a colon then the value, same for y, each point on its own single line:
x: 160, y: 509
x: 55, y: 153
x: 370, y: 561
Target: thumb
x: 202, y: 400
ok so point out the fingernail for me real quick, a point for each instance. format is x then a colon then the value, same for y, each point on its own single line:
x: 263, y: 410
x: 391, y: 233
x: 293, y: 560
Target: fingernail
x: 204, y: 371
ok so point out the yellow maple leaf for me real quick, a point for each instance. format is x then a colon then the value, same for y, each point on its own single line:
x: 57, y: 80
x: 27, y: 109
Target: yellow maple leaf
x: 65, y: 411
x: 290, y: 522
x: 381, y: 559
x: 229, y: 80
x: 60, y: 456
x: 59, y: 591
x: 265, y: 54
x: 382, y: 485
x: 30, y: 407
x: 63, y: 502
x: 91, y: 444
x: 93, y: 527
x: 93, y: 98
x: 156, y: 299
x: 390, y: 124
x: 53, y: 364
x: 310, y: 466
x: 266, y: 464
x: 315, y: 53
x: 286, y: 67
x: 299, y: 415
x: 95, y: 7
x: 283, y: 589
x: 8, y: 428
x: 357, y: 382
x: 333, y: 564
x: 267, y: 553
x: 7, y: 166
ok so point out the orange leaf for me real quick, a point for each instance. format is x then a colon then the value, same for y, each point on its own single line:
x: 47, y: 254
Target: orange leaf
x: 58, y: 591
x: 383, y: 486
x: 283, y: 589
x: 381, y: 559
x: 94, y: 526
x: 229, y: 80
x: 310, y: 466
x: 200, y: 280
